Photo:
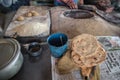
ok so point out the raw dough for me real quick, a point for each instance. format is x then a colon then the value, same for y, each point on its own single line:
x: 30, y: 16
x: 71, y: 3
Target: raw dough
x: 65, y: 64
x: 34, y: 13
x: 29, y: 14
x: 20, y: 18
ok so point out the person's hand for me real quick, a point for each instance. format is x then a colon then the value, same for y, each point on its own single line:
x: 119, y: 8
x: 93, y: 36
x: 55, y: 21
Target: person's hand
x: 109, y: 10
x: 70, y: 3
x: 81, y: 2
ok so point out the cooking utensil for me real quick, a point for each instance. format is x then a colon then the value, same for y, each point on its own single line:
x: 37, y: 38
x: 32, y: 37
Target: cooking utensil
x: 57, y: 47
x: 35, y: 49
x: 107, y: 16
x: 11, y: 58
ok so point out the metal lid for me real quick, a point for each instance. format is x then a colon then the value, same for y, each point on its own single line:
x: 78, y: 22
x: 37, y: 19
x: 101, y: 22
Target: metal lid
x: 6, y: 3
x: 8, y: 49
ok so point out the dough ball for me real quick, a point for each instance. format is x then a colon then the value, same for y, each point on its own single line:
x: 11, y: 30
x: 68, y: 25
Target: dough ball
x: 29, y: 14
x: 34, y: 13
x: 20, y: 18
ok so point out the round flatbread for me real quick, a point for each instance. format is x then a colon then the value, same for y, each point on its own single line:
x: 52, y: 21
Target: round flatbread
x: 89, y: 61
x: 84, y: 44
x: 77, y: 59
x: 97, y: 58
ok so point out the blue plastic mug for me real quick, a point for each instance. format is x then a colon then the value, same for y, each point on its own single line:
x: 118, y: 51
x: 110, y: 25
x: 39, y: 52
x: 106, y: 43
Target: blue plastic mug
x: 58, y: 44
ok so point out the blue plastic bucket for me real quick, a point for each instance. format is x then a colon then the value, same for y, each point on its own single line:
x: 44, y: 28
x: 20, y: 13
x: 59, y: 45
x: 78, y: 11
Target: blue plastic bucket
x: 58, y: 44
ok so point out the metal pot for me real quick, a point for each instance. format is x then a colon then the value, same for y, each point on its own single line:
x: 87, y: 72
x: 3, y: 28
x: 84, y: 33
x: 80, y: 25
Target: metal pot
x: 11, y: 58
